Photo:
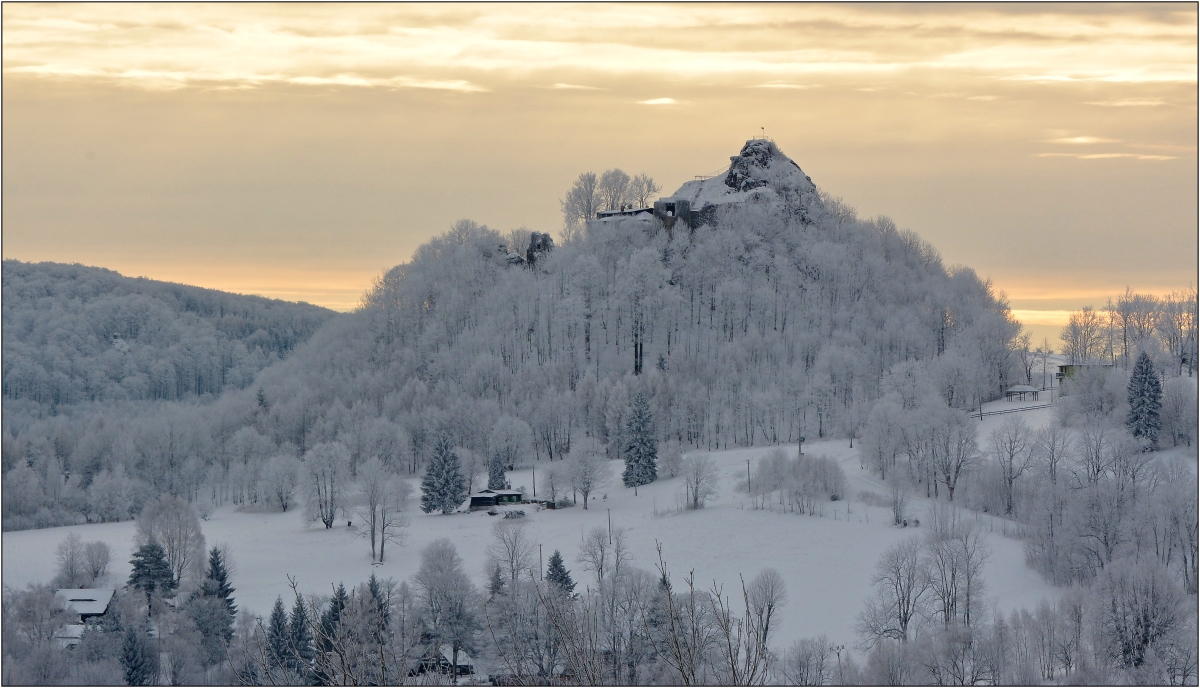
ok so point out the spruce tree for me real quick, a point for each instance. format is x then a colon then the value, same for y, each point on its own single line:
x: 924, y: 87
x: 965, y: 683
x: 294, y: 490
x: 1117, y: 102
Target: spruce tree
x: 641, y: 449
x: 216, y: 585
x: 300, y: 637
x: 379, y: 602
x: 444, y: 488
x: 332, y: 617
x: 139, y: 660
x: 557, y: 573
x: 1145, y: 401
x: 277, y: 635
x: 495, y: 582
x: 151, y: 572
x: 496, y: 479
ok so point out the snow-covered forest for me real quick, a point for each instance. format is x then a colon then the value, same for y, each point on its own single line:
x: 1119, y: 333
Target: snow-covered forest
x: 639, y: 353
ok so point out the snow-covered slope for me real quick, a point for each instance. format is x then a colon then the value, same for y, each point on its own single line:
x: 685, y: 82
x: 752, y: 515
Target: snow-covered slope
x: 826, y: 562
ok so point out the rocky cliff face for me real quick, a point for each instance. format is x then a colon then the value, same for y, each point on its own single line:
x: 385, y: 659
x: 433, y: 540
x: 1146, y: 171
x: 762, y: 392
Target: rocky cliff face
x: 759, y: 173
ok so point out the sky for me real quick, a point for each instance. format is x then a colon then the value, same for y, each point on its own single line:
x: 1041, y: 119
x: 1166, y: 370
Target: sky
x: 299, y: 150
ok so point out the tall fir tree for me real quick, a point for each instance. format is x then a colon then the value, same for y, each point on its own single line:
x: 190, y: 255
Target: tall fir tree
x: 496, y: 480
x: 139, y: 660
x: 277, y: 636
x: 495, y: 581
x: 216, y: 585
x: 1145, y: 401
x: 444, y: 488
x: 332, y: 617
x: 641, y: 449
x: 380, y: 605
x: 300, y: 638
x: 557, y: 573
x: 151, y: 572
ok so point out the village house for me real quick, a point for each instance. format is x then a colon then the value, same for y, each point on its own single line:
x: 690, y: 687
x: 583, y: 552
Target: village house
x: 486, y: 499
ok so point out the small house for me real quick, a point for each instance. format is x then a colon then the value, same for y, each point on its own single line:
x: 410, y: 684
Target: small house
x: 440, y: 663
x: 86, y: 602
x: 486, y: 499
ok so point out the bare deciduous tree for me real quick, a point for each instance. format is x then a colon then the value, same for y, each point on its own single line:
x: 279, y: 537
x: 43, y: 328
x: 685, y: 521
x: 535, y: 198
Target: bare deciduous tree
x: 699, y: 479
x: 326, y: 470
x: 96, y: 555
x: 901, y: 585
x: 511, y: 549
x: 588, y: 473
x: 72, y: 562
x: 1012, y: 445
x: 173, y: 524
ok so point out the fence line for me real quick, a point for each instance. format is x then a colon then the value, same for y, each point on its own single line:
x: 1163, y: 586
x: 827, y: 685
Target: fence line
x: 982, y: 413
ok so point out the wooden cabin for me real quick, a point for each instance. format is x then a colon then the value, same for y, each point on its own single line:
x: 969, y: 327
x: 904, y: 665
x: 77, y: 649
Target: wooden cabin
x: 486, y: 499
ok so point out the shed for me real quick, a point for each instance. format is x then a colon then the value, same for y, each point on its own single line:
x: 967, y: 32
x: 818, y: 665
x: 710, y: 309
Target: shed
x: 1021, y: 390
x: 486, y: 499
x: 86, y: 602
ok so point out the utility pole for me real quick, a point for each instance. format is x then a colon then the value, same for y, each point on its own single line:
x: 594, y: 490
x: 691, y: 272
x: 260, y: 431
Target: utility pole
x: 541, y: 568
x: 534, y: 472
x: 749, y: 493
x: 609, y: 525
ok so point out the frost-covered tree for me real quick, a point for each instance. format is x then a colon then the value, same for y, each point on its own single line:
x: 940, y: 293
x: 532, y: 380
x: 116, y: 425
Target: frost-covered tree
x: 443, y: 487
x: 588, y: 472
x: 641, y: 450
x: 512, y: 550
x: 1013, y: 446
x: 642, y: 190
x: 1145, y: 401
x: 613, y: 189
x: 72, y: 563
x: 449, y: 601
x: 901, y: 586
x: 700, y: 480
x: 326, y: 471
x: 496, y: 479
x: 580, y: 205
x: 279, y: 479
x: 95, y: 556
x: 172, y: 524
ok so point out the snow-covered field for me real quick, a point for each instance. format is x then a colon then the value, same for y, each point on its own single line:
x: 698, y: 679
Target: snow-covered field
x: 826, y: 562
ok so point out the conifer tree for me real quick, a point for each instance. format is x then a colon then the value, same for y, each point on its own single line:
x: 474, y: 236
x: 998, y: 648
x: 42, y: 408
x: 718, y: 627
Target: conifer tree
x: 495, y: 581
x: 300, y: 637
x: 444, y: 488
x: 496, y: 480
x: 277, y: 635
x: 151, y: 572
x: 139, y: 660
x: 379, y: 603
x: 557, y: 573
x: 332, y: 617
x: 216, y: 585
x: 1145, y: 401
x: 641, y: 449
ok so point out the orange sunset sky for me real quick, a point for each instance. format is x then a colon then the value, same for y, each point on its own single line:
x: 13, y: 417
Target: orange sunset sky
x: 297, y: 150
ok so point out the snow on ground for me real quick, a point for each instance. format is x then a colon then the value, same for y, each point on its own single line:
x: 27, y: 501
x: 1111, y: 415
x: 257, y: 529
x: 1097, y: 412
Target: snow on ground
x: 826, y: 562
